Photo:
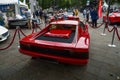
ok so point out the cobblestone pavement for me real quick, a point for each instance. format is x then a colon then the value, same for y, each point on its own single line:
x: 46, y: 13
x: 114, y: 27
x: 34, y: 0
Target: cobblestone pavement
x: 103, y: 63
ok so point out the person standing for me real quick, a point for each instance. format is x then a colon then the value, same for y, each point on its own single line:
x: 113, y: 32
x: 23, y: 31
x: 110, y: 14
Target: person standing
x: 28, y: 17
x: 2, y: 19
x: 36, y: 13
x: 73, y: 12
x: 65, y: 14
x: 84, y: 13
x: 76, y: 12
x: 41, y: 15
x: 94, y: 17
x: 87, y: 15
x: 45, y: 16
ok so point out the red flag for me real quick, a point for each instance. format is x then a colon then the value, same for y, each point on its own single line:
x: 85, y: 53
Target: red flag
x: 100, y: 9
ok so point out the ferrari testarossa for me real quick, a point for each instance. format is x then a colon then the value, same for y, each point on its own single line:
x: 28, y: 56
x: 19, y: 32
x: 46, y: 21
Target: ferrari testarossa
x: 113, y: 18
x: 65, y: 41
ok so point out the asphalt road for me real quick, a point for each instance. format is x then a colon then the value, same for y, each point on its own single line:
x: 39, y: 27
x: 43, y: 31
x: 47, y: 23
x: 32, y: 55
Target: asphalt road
x: 103, y: 63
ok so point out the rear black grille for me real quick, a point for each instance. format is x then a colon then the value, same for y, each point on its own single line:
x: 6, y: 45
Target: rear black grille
x: 49, y: 51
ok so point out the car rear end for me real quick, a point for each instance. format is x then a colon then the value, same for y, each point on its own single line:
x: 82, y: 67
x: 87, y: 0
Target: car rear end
x: 59, y: 52
x: 65, y: 50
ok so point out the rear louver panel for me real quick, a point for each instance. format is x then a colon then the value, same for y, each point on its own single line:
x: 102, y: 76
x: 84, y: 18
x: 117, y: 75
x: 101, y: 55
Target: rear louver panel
x: 49, y: 51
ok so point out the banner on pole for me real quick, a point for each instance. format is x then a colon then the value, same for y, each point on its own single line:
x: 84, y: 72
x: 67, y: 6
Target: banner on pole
x: 100, y: 9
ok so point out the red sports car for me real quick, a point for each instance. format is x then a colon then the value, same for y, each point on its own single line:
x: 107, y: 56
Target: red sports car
x: 65, y: 41
x: 113, y: 18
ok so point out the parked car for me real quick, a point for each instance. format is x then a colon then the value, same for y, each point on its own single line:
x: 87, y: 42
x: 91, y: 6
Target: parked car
x: 65, y: 41
x: 113, y: 18
x: 17, y: 21
x: 4, y: 33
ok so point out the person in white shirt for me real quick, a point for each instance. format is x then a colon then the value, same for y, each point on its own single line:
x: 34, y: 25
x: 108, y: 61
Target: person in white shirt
x: 65, y: 14
x: 84, y: 13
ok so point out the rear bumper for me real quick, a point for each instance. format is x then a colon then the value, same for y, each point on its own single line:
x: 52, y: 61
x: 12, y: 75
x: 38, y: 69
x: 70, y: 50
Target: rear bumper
x: 57, y: 58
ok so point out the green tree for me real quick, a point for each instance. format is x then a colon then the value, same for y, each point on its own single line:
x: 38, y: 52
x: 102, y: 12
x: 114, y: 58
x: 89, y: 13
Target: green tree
x: 65, y: 3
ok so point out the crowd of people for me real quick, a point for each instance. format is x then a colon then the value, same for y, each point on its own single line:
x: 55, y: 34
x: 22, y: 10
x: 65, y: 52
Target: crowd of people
x: 91, y: 13
x: 43, y: 15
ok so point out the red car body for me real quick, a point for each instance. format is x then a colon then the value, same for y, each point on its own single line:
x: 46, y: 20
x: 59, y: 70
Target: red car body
x: 65, y: 41
x: 113, y: 17
x: 70, y: 17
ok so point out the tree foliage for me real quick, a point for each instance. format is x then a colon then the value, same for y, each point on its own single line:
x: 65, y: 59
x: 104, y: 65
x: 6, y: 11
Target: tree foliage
x: 66, y: 3
x: 61, y: 3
